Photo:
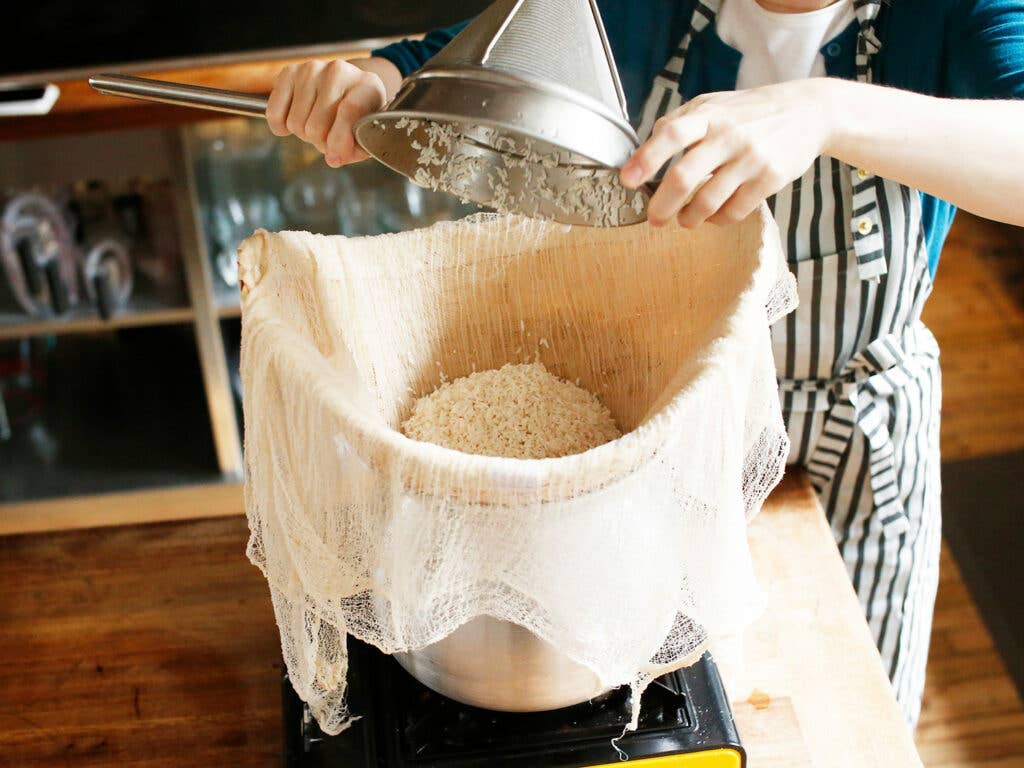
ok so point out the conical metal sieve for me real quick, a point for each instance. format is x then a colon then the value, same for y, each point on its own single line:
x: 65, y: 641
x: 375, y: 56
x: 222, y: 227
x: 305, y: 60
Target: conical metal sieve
x: 522, y: 111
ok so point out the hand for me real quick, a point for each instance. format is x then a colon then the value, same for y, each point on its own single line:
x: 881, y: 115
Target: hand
x: 751, y: 144
x: 320, y: 102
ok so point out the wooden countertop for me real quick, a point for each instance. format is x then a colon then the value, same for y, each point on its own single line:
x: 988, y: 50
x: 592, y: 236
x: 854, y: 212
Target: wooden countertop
x: 155, y: 645
x: 820, y: 694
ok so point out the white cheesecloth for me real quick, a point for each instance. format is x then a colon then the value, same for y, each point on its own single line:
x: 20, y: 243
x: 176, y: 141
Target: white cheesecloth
x: 628, y: 557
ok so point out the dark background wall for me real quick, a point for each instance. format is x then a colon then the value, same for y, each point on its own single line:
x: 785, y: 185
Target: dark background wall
x: 71, y: 34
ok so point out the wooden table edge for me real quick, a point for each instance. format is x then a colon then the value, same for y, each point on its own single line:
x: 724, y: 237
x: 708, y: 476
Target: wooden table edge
x: 812, y: 649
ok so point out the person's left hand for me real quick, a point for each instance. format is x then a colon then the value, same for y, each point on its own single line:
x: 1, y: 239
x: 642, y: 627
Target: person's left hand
x: 751, y: 144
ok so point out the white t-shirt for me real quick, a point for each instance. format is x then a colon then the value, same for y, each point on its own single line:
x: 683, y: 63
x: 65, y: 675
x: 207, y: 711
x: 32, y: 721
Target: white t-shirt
x: 778, y: 47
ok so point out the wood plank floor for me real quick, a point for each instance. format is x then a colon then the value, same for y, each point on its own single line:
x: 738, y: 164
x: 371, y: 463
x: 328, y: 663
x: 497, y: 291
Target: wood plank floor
x: 972, y: 716
x: 977, y: 314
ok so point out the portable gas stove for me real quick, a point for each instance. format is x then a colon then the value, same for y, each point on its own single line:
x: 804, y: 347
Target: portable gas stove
x: 685, y: 722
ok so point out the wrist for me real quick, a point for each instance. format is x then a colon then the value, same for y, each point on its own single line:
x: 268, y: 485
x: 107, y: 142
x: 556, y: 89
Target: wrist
x: 385, y: 70
x: 827, y: 101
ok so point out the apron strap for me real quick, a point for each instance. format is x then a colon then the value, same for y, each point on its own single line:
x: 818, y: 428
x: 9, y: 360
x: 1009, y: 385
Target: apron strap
x: 852, y: 400
x: 665, y: 96
x: 868, y: 43
x: 865, y: 222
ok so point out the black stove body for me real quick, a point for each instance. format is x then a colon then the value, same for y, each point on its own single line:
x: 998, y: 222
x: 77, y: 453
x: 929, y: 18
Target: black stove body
x: 684, y: 721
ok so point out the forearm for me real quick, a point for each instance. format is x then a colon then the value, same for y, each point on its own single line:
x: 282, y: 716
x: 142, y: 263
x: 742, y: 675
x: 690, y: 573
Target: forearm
x: 970, y: 153
x: 385, y: 70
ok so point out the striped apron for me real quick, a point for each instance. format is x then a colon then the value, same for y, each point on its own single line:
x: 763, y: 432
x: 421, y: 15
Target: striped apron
x: 859, y: 376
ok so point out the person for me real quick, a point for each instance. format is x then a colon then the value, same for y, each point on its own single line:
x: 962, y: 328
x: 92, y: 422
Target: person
x: 864, y: 124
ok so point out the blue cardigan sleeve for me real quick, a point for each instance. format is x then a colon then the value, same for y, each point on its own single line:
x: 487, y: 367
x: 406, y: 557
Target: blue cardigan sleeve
x: 410, y: 55
x: 984, y: 59
x: 985, y: 50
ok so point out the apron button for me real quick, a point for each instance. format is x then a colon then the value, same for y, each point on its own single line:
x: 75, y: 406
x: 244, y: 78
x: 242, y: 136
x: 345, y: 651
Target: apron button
x: 865, y: 225
x: 862, y: 173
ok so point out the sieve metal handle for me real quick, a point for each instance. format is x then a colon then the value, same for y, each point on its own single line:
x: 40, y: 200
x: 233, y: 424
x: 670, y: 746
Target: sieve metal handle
x: 198, y: 96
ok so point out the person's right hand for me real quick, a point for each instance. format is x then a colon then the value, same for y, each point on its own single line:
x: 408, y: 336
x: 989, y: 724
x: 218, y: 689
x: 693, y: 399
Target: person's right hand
x: 320, y: 102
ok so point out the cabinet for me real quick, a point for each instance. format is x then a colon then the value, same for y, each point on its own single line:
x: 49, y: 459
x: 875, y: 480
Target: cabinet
x: 90, y: 136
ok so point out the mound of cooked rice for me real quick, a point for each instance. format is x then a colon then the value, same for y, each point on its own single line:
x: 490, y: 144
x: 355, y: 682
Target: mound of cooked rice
x: 518, y: 411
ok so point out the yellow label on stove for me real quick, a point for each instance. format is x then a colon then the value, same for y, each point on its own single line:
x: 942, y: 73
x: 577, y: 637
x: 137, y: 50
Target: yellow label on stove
x: 714, y: 758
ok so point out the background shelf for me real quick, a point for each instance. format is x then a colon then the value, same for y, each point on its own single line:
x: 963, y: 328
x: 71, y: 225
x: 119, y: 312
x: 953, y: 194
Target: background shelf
x: 109, y: 412
x: 139, y: 311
